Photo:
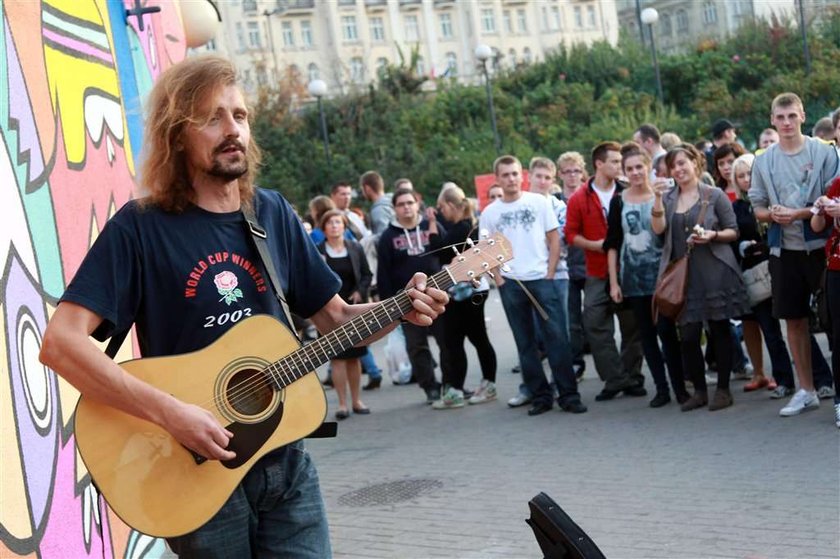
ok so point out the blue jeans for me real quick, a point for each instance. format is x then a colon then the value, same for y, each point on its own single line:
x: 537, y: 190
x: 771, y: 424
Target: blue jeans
x: 552, y: 296
x: 781, y: 367
x: 276, y: 511
x: 369, y: 366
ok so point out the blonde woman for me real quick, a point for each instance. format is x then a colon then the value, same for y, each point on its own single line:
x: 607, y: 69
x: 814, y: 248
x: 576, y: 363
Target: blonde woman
x: 465, y: 312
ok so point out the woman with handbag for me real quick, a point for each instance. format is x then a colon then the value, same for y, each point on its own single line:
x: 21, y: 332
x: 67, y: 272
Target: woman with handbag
x: 464, y: 316
x: 828, y: 214
x: 347, y: 259
x: 633, y: 255
x: 753, y: 254
x: 697, y: 224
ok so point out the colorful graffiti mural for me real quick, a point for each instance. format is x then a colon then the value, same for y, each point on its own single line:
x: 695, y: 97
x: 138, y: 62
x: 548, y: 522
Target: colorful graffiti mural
x: 72, y: 77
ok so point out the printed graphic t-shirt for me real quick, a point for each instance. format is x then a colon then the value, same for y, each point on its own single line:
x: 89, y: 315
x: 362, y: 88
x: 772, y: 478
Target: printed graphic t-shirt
x: 185, y: 279
x: 524, y: 223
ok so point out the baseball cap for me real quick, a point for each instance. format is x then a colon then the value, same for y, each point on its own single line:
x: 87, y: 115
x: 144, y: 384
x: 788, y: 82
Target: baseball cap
x: 720, y: 126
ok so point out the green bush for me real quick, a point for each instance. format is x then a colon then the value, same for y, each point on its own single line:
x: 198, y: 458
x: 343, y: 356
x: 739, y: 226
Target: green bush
x: 572, y: 100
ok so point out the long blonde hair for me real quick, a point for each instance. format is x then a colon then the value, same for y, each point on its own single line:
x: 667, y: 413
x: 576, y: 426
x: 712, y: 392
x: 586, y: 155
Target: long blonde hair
x: 174, y: 103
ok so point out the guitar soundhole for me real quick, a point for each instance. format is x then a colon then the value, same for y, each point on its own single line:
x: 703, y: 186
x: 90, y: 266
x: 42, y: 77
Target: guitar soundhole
x: 249, y: 392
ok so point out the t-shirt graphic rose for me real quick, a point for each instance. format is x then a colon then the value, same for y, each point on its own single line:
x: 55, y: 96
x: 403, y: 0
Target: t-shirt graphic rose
x: 227, y: 283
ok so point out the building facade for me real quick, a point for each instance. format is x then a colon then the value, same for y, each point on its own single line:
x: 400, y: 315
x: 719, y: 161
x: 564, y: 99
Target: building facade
x: 683, y: 24
x: 346, y: 42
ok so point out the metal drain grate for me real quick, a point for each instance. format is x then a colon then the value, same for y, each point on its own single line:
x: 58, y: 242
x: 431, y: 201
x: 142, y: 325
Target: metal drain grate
x: 389, y: 493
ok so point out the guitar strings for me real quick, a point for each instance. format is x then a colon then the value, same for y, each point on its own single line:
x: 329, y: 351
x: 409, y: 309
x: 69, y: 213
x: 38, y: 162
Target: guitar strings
x: 251, y: 387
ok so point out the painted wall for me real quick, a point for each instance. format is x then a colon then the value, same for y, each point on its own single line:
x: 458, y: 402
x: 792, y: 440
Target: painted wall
x: 72, y: 74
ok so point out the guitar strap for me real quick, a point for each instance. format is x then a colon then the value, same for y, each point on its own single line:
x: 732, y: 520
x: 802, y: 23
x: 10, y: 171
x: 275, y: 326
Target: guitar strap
x: 327, y: 429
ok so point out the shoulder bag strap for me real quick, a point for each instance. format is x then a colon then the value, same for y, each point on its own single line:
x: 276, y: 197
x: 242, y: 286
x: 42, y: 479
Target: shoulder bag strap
x: 259, y: 236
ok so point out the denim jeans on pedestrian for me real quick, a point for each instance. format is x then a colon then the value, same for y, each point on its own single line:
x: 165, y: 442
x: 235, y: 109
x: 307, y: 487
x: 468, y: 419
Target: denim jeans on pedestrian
x: 576, y: 319
x: 369, y: 366
x: 781, y: 367
x: 552, y: 297
x: 276, y: 511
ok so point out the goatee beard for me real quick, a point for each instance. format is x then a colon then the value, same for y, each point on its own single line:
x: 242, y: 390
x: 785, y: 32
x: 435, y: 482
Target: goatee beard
x: 228, y: 172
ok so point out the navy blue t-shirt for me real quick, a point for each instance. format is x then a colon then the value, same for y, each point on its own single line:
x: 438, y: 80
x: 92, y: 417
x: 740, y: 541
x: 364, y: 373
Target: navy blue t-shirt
x: 185, y: 279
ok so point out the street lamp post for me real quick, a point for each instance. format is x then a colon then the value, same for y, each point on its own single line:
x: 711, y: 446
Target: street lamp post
x: 804, y: 32
x: 317, y: 89
x: 482, y: 53
x: 649, y: 17
x: 268, y: 14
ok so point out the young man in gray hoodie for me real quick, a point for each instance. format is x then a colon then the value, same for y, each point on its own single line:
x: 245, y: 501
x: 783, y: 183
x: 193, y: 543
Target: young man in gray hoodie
x: 786, y: 180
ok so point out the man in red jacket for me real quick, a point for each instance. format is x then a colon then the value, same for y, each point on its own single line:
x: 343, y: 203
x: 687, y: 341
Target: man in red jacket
x: 586, y: 227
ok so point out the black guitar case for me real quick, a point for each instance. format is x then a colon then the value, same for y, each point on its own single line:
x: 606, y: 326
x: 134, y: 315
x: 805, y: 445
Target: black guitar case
x: 557, y: 534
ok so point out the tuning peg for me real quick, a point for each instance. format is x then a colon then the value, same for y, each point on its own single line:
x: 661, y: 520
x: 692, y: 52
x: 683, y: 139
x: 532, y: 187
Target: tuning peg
x: 490, y: 274
x: 505, y: 268
x: 484, y: 234
x: 469, y: 242
x: 455, y: 249
x: 476, y: 283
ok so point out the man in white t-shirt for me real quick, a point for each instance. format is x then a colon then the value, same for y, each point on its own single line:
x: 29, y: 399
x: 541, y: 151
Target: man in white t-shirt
x: 529, y: 223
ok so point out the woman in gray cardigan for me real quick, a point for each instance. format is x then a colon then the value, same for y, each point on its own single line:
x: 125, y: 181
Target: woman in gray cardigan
x: 715, y: 291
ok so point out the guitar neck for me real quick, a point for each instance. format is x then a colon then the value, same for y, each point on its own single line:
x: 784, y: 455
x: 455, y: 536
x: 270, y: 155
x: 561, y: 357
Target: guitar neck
x: 313, y: 355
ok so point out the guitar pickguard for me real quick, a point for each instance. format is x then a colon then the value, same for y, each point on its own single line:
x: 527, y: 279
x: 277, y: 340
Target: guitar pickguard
x: 248, y: 438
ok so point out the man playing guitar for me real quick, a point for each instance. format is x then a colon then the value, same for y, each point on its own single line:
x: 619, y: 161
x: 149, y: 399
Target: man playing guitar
x: 180, y: 266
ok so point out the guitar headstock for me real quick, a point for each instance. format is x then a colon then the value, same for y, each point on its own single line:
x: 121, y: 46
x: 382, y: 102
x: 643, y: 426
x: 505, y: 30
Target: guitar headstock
x: 480, y: 258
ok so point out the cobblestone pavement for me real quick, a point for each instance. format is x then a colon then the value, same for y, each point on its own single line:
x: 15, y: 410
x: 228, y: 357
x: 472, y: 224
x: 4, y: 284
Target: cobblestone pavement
x: 741, y: 482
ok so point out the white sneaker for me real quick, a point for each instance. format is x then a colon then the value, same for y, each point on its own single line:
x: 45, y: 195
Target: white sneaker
x: 825, y: 392
x: 486, y: 392
x: 519, y: 400
x: 744, y: 374
x: 452, y: 398
x: 837, y: 415
x: 801, y: 401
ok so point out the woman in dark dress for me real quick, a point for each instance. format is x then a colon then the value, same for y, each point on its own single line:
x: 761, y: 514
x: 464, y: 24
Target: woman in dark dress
x: 715, y: 291
x: 347, y: 259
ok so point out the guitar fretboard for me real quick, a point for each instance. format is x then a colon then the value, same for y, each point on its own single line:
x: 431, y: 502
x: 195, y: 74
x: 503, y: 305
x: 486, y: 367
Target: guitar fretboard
x: 311, y: 356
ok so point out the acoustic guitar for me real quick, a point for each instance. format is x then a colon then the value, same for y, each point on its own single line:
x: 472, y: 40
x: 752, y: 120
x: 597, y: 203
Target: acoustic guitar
x: 257, y: 381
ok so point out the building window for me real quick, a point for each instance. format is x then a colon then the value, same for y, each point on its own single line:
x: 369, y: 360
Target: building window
x: 544, y: 19
x: 348, y: 28
x: 682, y: 21
x: 312, y: 72
x: 445, y: 26
x: 357, y: 70
x: 578, y: 17
x: 512, y: 57
x: 590, y: 16
x: 521, y: 21
x: 253, y: 35
x: 507, y: 23
x: 421, y: 66
x: 488, y: 21
x: 288, y: 34
x: 381, y: 66
x: 451, y: 65
x: 306, y: 33
x: 240, y: 36
x: 412, y: 30
x: 555, y: 18
x: 710, y: 12
x: 526, y: 56
x: 249, y: 6
x: 667, y: 31
x: 377, y: 30
x: 211, y: 45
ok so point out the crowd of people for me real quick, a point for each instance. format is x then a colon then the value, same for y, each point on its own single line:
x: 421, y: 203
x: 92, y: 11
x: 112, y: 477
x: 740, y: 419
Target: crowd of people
x: 590, y: 249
